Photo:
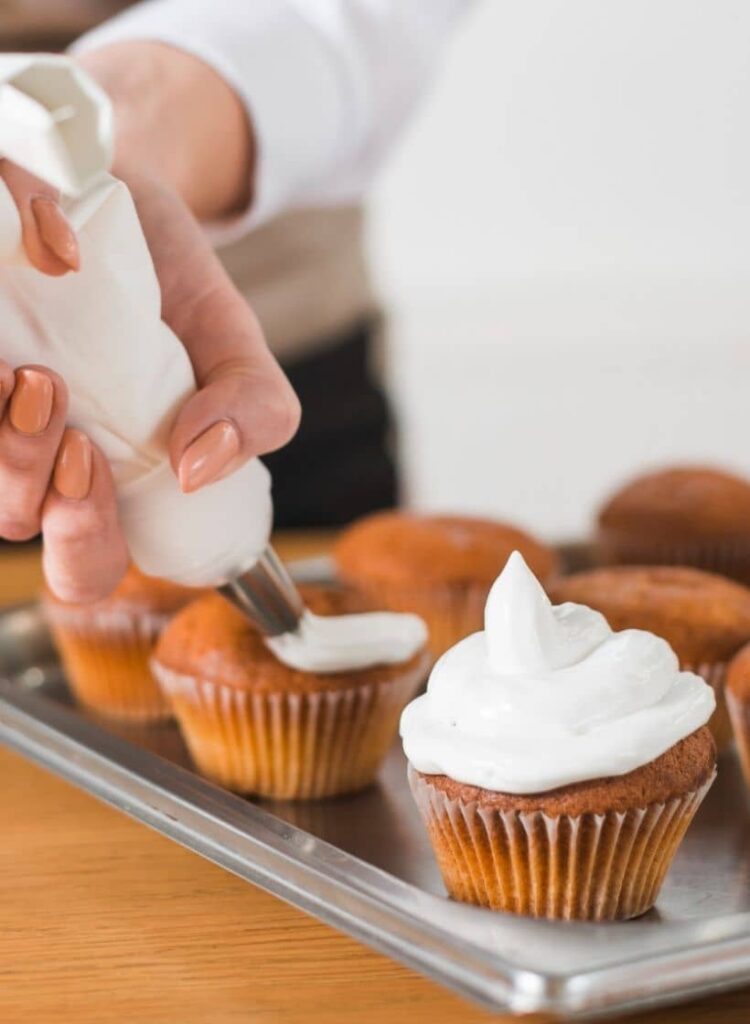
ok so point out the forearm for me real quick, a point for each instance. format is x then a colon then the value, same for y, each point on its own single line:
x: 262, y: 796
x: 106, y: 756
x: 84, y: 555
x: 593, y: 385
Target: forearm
x: 178, y: 120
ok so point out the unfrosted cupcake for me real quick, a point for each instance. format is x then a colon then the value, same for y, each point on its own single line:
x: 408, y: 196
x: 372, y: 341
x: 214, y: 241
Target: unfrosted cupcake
x: 316, y: 724
x: 704, y: 617
x: 693, y: 516
x: 106, y: 646
x: 738, y: 702
x: 557, y: 764
x: 439, y: 567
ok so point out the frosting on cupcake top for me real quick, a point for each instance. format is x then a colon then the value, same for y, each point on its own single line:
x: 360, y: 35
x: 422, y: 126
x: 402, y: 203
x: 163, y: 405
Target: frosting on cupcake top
x: 343, y: 643
x: 549, y: 695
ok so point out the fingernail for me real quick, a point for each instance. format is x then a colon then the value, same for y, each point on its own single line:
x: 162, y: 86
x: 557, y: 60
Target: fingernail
x: 31, y: 402
x: 55, y: 231
x: 206, y: 458
x: 72, y: 476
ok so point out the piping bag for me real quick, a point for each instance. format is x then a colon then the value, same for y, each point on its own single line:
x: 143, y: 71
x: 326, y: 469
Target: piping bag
x: 128, y: 374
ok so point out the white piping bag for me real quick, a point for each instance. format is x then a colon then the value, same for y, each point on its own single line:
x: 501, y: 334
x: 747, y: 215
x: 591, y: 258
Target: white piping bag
x: 101, y: 329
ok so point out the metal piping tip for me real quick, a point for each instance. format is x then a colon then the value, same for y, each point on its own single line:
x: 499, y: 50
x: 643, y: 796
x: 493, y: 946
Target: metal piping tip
x: 266, y: 594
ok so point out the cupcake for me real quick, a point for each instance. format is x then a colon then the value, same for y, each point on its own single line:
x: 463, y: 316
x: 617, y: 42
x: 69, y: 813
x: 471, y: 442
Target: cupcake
x: 704, y: 617
x: 738, y: 702
x: 106, y: 646
x: 439, y: 567
x: 682, y: 516
x: 306, y: 715
x: 556, y: 763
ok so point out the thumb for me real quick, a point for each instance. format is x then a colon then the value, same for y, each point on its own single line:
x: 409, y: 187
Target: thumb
x: 244, y: 409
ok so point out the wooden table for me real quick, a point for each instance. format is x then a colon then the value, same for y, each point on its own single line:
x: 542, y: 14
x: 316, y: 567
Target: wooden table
x: 105, y: 921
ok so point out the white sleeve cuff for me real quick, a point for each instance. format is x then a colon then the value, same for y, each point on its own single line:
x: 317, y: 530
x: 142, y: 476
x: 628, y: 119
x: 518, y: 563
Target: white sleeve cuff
x: 267, y: 54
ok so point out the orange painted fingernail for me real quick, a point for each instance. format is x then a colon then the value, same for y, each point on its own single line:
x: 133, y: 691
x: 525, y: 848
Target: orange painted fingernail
x: 55, y: 231
x: 208, y: 456
x: 72, y: 476
x: 31, y: 402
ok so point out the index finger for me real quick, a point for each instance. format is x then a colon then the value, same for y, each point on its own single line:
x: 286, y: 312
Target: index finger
x: 48, y: 238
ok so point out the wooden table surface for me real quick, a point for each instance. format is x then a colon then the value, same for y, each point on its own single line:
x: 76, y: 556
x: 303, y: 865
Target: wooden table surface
x: 105, y: 921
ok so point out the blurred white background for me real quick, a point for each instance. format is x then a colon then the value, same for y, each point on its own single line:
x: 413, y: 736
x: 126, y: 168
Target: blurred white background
x: 563, y: 241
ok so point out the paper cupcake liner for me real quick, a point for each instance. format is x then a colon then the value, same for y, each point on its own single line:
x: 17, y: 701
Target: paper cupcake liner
x: 593, y: 867
x: 715, y: 673
x: 739, y: 715
x: 727, y: 557
x: 289, y: 746
x: 450, y: 612
x: 106, y: 655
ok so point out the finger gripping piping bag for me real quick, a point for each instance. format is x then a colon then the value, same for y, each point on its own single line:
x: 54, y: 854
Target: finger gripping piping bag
x: 101, y: 330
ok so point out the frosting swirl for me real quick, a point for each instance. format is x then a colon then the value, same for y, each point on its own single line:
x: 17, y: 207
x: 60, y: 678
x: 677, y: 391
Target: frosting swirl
x: 549, y: 695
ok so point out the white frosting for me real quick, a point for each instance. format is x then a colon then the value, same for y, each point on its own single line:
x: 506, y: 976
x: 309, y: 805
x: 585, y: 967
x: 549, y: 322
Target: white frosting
x: 341, y: 643
x: 549, y: 695
x: 101, y: 329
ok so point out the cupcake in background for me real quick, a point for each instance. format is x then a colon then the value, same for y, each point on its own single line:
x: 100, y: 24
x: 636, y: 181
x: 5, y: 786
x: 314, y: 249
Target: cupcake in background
x: 557, y: 764
x: 273, y: 728
x: 738, y: 702
x: 704, y: 617
x: 106, y: 646
x: 439, y: 567
x: 682, y: 516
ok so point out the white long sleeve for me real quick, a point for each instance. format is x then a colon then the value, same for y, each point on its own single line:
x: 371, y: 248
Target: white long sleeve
x: 328, y: 84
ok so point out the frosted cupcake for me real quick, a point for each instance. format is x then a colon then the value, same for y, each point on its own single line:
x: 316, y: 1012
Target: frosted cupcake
x: 439, y: 567
x: 106, y: 646
x: 310, y: 714
x: 557, y: 764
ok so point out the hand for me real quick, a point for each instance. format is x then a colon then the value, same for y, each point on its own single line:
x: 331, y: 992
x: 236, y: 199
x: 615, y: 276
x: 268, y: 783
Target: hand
x: 174, y: 114
x: 244, y: 406
x: 56, y: 480
x: 53, y: 479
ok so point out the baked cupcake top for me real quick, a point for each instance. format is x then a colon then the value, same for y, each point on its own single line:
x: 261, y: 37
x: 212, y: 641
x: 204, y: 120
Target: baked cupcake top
x: 681, y: 502
x: 212, y: 640
x: 738, y: 674
x: 684, y: 767
x: 403, y: 547
x: 549, y: 696
x: 704, y: 617
x: 135, y: 592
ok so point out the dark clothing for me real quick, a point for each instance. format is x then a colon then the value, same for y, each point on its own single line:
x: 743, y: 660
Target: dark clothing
x: 341, y: 464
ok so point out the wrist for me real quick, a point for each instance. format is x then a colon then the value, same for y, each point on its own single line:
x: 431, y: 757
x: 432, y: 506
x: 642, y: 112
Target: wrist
x: 173, y: 113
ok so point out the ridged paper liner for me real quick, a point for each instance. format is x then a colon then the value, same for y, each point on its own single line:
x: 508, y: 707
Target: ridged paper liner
x: 739, y: 714
x: 289, y: 746
x: 106, y: 654
x: 715, y: 673
x: 725, y: 556
x: 593, y: 867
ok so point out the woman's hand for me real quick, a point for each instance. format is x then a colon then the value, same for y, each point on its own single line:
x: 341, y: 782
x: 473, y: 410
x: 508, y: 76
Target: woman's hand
x: 52, y: 478
x: 245, y: 406
x: 49, y: 241
x: 55, y: 479
x: 186, y: 150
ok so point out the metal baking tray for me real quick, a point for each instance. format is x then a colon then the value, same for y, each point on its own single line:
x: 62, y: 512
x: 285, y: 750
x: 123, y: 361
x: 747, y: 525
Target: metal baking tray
x: 363, y: 863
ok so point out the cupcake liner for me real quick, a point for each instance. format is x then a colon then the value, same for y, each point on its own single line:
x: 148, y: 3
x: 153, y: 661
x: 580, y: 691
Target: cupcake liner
x: 725, y: 556
x: 715, y: 673
x: 450, y: 612
x: 739, y: 715
x: 289, y: 746
x: 106, y: 656
x: 593, y: 867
